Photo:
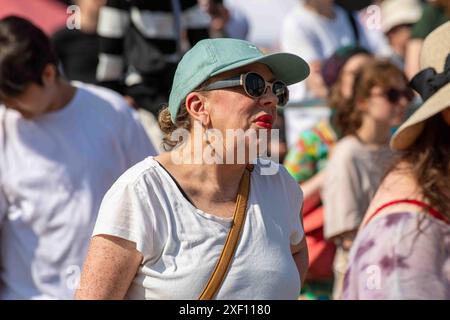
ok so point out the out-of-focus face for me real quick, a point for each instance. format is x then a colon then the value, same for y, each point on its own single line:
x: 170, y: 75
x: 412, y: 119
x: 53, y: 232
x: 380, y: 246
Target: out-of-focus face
x: 34, y: 101
x: 348, y: 72
x: 398, y: 39
x: 387, y: 105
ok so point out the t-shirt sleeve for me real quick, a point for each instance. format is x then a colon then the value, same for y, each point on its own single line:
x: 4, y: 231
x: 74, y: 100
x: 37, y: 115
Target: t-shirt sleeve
x: 294, y: 196
x: 128, y: 211
x: 340, y: 195
x: 137, y: 144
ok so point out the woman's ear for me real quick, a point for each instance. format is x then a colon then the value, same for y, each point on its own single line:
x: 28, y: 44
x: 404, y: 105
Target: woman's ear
x: 49, y: 74
x: 196, y: 107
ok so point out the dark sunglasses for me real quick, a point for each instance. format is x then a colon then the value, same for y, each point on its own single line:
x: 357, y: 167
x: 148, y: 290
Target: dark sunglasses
x: 254, y: 85
x: 393, y: 95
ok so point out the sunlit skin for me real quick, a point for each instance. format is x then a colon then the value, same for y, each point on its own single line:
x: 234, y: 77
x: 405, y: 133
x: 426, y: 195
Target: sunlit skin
x: 238, y: 110
x: 232, y: 108
x: 385, y: 111
x: 398, y: 39
x: 380, y: 115
x: 89, y: 10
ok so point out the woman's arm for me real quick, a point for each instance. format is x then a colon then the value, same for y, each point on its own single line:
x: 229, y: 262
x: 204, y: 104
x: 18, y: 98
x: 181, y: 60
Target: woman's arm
x: 412, y: 57
x: 311, y: 191
x: 109, y: 269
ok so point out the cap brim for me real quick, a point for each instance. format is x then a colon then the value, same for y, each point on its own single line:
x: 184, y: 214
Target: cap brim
x: 411, y: 128
x: 286, y: 67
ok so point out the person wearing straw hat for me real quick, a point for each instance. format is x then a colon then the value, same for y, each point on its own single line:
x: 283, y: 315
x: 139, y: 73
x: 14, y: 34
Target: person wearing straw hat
x: 164, y: 227
x: 402, y: 250
x: 397, y: 19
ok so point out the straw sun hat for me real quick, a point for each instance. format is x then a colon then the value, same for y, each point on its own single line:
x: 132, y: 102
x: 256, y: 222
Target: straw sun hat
x: 432, y: 83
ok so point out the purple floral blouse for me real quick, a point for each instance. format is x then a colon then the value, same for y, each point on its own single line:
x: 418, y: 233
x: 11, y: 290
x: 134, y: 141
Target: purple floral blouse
x: 404, y: 255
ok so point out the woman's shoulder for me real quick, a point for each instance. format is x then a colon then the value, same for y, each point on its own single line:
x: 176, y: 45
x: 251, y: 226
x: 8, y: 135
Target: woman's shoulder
x: 143, y: 171
x: 397, y: 184
x: 346, y: 148
x: 399, y: 231
x: 396, y: 247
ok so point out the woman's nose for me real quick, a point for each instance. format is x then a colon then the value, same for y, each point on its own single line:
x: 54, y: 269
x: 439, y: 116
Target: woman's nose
x: 268, y: 99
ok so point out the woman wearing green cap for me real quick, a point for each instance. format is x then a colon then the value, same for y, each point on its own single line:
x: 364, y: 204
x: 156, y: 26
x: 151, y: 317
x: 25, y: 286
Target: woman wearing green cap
x: 215, y: 226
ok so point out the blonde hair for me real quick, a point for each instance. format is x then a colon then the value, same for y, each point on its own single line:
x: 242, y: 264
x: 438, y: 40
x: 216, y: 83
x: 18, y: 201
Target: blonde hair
x: 166, y: 125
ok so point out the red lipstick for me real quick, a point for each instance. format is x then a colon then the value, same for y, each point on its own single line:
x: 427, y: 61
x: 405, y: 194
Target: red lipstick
x: 264, y: 121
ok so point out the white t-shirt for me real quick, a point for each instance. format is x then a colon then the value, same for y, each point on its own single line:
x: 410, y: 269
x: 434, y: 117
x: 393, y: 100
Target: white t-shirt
x: 54, y: 172
x: 315, y: 37
x: 181, y: 244
x: 265, y: 19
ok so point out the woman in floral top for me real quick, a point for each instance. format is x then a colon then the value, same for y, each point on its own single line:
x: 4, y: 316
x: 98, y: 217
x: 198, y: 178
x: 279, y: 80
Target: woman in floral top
x: 402, y: 250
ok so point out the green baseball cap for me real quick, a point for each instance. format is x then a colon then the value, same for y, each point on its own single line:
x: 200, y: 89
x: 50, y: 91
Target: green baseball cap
x: 210, y: 57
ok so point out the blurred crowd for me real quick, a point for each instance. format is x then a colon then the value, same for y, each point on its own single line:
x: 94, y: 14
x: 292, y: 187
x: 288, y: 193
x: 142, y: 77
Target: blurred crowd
x: 334, y: 132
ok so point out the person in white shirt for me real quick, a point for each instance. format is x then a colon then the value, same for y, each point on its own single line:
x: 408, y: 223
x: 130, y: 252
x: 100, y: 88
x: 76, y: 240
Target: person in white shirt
x: 62, y: 146
x: 162, y: 226
x: 316, y: 29
x: 265, y: 18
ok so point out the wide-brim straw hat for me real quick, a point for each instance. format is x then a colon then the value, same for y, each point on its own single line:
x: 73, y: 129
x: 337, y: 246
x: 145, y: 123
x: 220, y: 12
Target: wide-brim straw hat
x: 434, y: 53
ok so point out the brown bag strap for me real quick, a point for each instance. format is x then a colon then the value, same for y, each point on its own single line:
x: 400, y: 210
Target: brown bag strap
x: 217, y: 276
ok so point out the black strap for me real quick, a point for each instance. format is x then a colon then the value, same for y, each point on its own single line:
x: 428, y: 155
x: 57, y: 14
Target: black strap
x: 427, y: 82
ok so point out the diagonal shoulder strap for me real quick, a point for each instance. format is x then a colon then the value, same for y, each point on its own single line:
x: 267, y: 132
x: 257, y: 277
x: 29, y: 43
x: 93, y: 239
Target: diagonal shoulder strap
x: 217, y: 276
x: 431, y: 211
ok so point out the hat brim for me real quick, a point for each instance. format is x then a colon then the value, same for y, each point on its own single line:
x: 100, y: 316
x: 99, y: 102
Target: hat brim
x: 412, y: 128
x: 286, y: 67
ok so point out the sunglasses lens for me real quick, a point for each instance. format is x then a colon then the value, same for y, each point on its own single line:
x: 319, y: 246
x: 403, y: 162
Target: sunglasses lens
x: 255, y: 85
x: 281, y: 92
x: 393, y: 95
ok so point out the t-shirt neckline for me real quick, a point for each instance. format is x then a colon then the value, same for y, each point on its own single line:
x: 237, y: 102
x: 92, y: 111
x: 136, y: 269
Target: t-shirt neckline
x: 175, y: 186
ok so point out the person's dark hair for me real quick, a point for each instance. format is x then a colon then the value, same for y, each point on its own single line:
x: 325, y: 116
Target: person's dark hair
x: 332, y: 67
x: 382, y: 73
x: 428, y: 160
x: 332, y: 75
x: 24, y: 52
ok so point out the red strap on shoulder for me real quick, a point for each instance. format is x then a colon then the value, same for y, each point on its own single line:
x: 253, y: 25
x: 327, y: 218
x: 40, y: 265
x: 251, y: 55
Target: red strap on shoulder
x: 433, y: 212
